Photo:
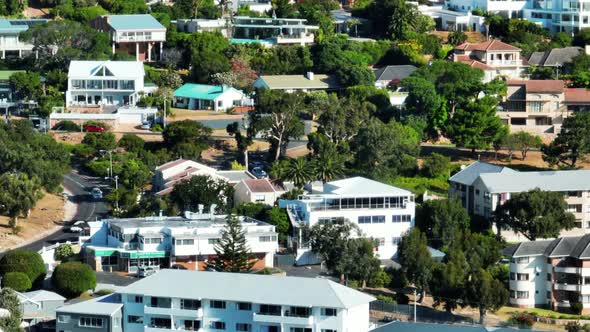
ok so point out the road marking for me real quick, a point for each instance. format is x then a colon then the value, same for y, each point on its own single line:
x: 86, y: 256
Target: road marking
x: 78, y: 183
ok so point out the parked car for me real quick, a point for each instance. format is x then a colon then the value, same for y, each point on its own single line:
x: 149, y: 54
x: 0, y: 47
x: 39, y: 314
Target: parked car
x: 94, y: 129
x: 146, y: 271
x: 96, y: 193
x: 147, y: 125
x: 259, y: 173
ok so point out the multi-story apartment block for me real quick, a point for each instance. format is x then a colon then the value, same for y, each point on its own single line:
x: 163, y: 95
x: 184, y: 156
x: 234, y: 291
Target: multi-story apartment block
x: 494, y: 57
x: 276, y: 30
x: 558, y: 16
x: 482, y: 187
x: 506, y: 8
x: 540, y: 106
x: 11, y: 45
x: 179, y: 300
x: 381, y: 211
x: 160, y: 242
x: 105, y: 83
x: 141, y: 35
x: 551, y: 273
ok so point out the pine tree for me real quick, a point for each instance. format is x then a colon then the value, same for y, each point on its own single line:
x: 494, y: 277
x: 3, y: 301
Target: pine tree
x: 232, y: 252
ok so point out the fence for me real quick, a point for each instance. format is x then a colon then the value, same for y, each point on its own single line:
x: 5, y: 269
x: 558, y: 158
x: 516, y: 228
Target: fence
x: 423, y: 314
x: 284, y: 260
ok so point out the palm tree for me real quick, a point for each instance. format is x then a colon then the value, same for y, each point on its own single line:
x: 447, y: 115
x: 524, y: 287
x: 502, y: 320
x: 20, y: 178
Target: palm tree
x: 328, y: 167
x: 299, y: 171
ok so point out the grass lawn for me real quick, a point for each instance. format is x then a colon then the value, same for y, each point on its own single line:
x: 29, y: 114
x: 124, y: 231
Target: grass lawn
x: 538, y: 311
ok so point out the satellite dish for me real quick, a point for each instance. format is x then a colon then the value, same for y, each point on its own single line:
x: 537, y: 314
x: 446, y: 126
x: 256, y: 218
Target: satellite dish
x: 537, y: 269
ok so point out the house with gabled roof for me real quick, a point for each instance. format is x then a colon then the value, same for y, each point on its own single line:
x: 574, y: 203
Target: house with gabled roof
x: 109, y: 82
x: 290, y: 83
x: 139, y: 34
x: 263, y: 191
x: 494, y: 57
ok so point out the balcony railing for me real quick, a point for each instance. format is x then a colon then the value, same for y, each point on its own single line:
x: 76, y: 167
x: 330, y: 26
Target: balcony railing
x: 504, y: 63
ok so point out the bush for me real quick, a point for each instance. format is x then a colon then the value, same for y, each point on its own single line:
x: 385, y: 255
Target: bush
x: 17, y: 281
x: 385, y: 298
x: 576, y: 308
x: 353, y: 284
x: 436, y: 166
x: 157, y: 128
x: 522, y: 320
x: 379, y: 279
x: 104, y: 291
x: 73, y: 278
x: 63, y: 252
x: 398, y: 278
x: 401, y: 298
x: 26, y: 261
x: 66, y: 125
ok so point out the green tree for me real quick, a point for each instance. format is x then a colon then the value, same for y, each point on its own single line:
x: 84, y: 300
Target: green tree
x: 415, y: 259
x: 572, y: 142
x: 208, y: 57
x: 355, y: 75
x: 26, y: 261
x: 63, y: 252
x: 26, y: 85
x: 329, y: 165
x: 277, y: 115
x: 299, y: 171
x: 242, y: 141
x: 71, y: 279
x: 132, y: 143
x: 18, y: 195
x: 10, y: 301
x: 441, y: 219
x: 134, y: 174
x: 527, y: 142
x: 358, y: 261
x: 278, y: 217
x: 535, y: 214
x: 436, y: 165
x: 17, y: 281
x: 424, y: 100
x: 252, y: 210
x: 341, y: 118
x: 186, y: 138
x: 100, y: 141
x: 457, y: 37
x: 200, y: 189
x: 485, y: 293
x: 448, y: 280
x: 231, y: 252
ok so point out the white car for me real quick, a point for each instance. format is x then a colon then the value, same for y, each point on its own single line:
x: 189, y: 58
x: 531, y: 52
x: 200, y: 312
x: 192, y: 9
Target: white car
x: 96, y: 193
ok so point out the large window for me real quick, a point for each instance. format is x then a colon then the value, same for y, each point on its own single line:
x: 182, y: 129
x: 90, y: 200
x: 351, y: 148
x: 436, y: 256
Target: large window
x: 522, y: 276
x: 243, y: 327
x: 371, y: 219
x: 300, y: 329
x: 267, y: 238
x: 217, y: 325
x: 402, y: 218
x: 185, y: 242
x: 269, y: 309
x: 131, y: 319
x: 329, y: 312
x: 244, y: 306
x: 522, y: 260
x: 90, y: 322
x: 298, y: 312
x: 218, y: 304
x: 190, y: 304
x: 536, y: 106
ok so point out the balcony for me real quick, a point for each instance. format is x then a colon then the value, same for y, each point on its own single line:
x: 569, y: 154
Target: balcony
x: 505, y: 63
x: 274, y: 319
x: 192, y: 313
x: 158, y: 310
x: 567, y: 287
x: 574, y: 270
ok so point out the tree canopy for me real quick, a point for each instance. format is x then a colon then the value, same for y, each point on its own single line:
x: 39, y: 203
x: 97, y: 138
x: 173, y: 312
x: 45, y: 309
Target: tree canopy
x: 231, y: 252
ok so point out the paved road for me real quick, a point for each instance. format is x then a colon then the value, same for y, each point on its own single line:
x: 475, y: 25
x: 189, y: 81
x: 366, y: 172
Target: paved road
x: 88, y: 209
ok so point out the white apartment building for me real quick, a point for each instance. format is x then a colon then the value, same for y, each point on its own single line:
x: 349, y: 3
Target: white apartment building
x: 10, y: 43
x: 184, y: 242
x: 482, y: 187
x: 178, y: 300
x: 559, y: 16
x: 506, y: 8
x: 381, y: 211
x: 550, y: 273
x: 92, y: 83
x: 278, y: 31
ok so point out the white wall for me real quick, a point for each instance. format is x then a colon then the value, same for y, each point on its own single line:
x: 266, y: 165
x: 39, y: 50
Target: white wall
x: 536, y: 268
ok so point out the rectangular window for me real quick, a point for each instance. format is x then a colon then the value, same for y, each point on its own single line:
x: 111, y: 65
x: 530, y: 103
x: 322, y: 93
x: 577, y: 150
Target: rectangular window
x: 380, y: 241
x: 364, y: 220
x: 300, y: 329
x: 270, y: 310
x: 522, y: 276
x: 138, y: 299
x: 522, y: 260
x: 131, y: 319
x: 243, y: 327
x: 329, y: 312
x: 548, y: 276
x: 259, y: 198
x: 63, y: 318
x: 535, y: 106
x: 217, y: 304
x: 548, y: 295
x: 328, y: 330
x: 402, y: 218
x: 574, y: 208
x: 512, y: 276
x: 217, y: 325
x: 190, y: 304
x: 522, y: 294
x: 213, y: 240
x: 267, y: 238
x: 378, y: 219
x: 90, y: 322
x: 245, y: 306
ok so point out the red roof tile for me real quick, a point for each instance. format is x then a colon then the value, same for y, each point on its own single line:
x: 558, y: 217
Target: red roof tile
x: 490, y: 45
x: 260, y: 185
x: 577, y: 95
x: 540, y: 86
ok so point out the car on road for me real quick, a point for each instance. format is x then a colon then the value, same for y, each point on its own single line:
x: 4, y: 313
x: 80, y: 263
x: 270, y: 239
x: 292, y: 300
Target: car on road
x: 146, y: 271
x: 96, y: 193
x: 146, y: 125
x: 94, y: 129
x: 259, y: 173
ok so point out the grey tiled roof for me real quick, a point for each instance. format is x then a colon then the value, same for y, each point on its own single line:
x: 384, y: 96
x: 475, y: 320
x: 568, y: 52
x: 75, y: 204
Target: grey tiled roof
x: 572, y: 246
x: 391, y: 73
x: 467, y: 175
x: 581, y: 249
x: 555, y: 56
x: 431, y: 327
x: 533, y: 248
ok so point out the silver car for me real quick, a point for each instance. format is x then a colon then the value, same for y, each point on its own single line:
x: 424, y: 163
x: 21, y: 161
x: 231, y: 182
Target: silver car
x: 96, y: 193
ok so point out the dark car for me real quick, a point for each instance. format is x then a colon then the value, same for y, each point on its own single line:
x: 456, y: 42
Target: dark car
x: 259, y: 173
x: 94, y: 129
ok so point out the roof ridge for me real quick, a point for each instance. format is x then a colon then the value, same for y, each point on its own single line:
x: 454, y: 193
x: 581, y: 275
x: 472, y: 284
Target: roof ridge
x: 331, y: 284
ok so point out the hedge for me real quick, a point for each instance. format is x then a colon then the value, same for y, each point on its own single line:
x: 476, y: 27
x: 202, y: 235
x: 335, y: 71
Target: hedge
x: 17, y: 281
x: 26, y: 261
x: 71, y: 279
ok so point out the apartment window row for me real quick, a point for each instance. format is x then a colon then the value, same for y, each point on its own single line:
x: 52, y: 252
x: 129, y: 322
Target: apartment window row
x: 103, y: 84
x: 267, y: 238
x: 152, y: 240
x: 90, y: 322
x: 213, y: 241
x: 300, y: 329
x: 371, y: 219
x: 519, y: 276
x: 402, y: 218
x: 185, y: 242
x: 218, y: 325
x: 364, y: 203
x: 190, y: 304
x: 519, y: 294
x: 520, y: 260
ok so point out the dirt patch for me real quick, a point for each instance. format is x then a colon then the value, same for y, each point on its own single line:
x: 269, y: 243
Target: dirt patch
x: 181, y: 114
x: 44, y: 219
x: 76, y: 138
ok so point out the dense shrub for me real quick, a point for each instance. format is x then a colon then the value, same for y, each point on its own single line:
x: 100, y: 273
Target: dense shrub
x: 576, y: 308
x: 436, y: 166
x: 522, y: 320
x: 104, y: 291
x: 17, y: 281
x: 66, y: 125
x: 25, y: 261
x: 380, y: 279
x: 401, y: 298
x: 73, y: 278
x: 63, y: 252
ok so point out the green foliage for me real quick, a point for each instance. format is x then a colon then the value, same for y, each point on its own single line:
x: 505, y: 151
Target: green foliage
x: 10, y: 301
x: 457, y: 37
x: 253, y: 210
x: 71, y: 279
x: 26, y: 85
x: 18, y: 195
x: 485, y: 293
x: 355, y: 75
x: 132, y: 143
x: 67, y: 125
x: 16, y: 280
x: 187, y: 195
x: 415, y: 259
x: 25, y: 261
x: 100, y: 141
x: 396, y: 18
x: 521, y: 141
x: 186, y: 138
x: 207, y: 51
x: 572, y: 142
x: 441, y: 219
x: 299, y: 172
x: 436, y: 166
x: 232, y: 252
x: 63, y: 252
x: 380, y: 279
x: 418, y: 185
x: 104, y: 291
x: 522, y: 320
x: 535, y: 214
x: 278, y: 217
x: 134, y: 174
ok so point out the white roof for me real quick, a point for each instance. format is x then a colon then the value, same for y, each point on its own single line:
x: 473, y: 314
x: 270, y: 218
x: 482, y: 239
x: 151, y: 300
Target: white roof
x: 106, y: 305
x: 470, y: 173
x: 43, y: 295
x: 577, y: 180
x: 119, y: 69
x: 239, y: 287
x: 360, y: 186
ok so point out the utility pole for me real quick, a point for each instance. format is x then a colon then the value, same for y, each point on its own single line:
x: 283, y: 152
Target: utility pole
x: 117, y: 190
x: 415, y: 304
x: 165, y: 102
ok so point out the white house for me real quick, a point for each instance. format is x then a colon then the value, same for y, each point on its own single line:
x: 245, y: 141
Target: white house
x: 105, y: 83
x: 257, y: 191
x: 188, y: 242
x: 381, y: 211
x: 209, y: 97
x: 10, y: 43
x: 453, y: 20
x: 213, y: 301
x: 173, y: 172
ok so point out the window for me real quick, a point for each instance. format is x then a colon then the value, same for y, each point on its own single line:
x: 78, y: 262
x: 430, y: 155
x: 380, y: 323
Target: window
x: 63, y: 318
x: 574, y: 208
x: 396, y: 240
x: 378, y: 219
x: 138, y: 299
x: 245, y: 306
x: 380, y: 241
x: 402, y: 218
x: 329, y: 312
x: 328, y: 330
x: 134, y: 319
x: 512, y: 276
x: 218, y: 304
x: 243, y: 327
x: 522, y: 294
x: 259, y: 198
x: 548, y: 295
x: 522, y: 276
x: 522, y: 260
x: 90, y: 322
x: 213, y: 241
x: 271, y: 310
x: 535, y: 106
x: 364, y: 220
x: 217, y: 325
x: 543, y: 121
x: 190, y: 304
x: 185, y: 242
x: 300, y: 329
x: 518, y: 121
x: 548, y: 276
x: 267, y: 238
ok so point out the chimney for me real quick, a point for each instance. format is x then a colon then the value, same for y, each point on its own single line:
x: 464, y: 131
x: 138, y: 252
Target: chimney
x: 309, y: 75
